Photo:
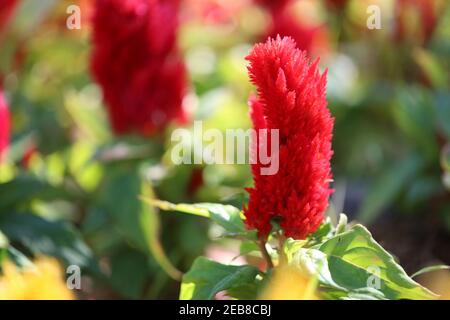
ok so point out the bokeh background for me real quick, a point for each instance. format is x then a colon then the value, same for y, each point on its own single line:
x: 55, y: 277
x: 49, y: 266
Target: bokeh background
x: 70, y: 186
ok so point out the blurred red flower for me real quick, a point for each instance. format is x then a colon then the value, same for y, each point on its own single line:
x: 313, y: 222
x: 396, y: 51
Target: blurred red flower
x: 6, y: 10
x: 136, y: 61
x: 312, y: 38
x: 336, y: 4
x: 30, y: 151
x: 214, y: 11
x: 415, y: 19
x: 291, y: 98
x: 274, y: 5
x: 4, y: 125
x: 195, y: 182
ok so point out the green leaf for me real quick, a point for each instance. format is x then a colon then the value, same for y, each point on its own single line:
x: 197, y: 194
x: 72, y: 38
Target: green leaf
x: 414, y: 114
x: 206, y: 278
x: 19, y: 258
x: 350, y: 257
x: 137, y: 222
x: 315, y: 263
x: 431, y: 67
x: 85, y: 110
x: 226, y: 216
x: 25, y: 188
x: 247, y: 247
x: 155, y: 243
x: 8, y: 252
x: 118, y: 198
x: 325, y: 231
x: 442, y: 119
x: 342, y: 223
x: 291, y: 247
x: 130, y: 270
x: 430, y: 269
x: 54, y: 238
x: 4, y: 242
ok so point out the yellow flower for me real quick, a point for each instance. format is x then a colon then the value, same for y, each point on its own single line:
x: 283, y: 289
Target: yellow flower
x: 43, y: 281
x: 438, y: 282
x: 290, y: 283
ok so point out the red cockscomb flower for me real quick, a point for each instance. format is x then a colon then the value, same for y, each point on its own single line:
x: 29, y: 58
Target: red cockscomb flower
x: 291, y: 98
x: 6, y: 9
x: 136, y: 61
x: 4, y: 125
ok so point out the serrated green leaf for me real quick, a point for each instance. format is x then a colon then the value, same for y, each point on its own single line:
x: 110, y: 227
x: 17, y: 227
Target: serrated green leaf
x: 226, y: 216
x: 352, y: 254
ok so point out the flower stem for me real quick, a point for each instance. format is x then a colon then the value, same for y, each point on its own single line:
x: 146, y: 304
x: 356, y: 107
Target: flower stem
x: 262, y: 247
x: 282, y: 254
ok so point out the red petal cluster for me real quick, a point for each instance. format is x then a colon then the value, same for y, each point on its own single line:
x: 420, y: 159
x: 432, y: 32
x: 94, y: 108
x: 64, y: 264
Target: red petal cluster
x: 6, y: 9
x: 291, y: 98
x: 4, y: 125
x: 136, y: 61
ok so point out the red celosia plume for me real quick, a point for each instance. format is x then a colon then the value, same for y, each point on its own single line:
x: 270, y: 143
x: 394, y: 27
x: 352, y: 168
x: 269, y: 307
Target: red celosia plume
x: 291, y: 98
x: 4, y: 125
x: 136, y: 62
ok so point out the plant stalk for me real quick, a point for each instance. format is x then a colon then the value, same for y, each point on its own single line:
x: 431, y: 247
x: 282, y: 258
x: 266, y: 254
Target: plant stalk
x: 265, y: 254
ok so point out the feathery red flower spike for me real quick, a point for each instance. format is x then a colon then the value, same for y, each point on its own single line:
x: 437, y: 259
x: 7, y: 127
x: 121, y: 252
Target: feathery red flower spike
x: 291, y: 98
